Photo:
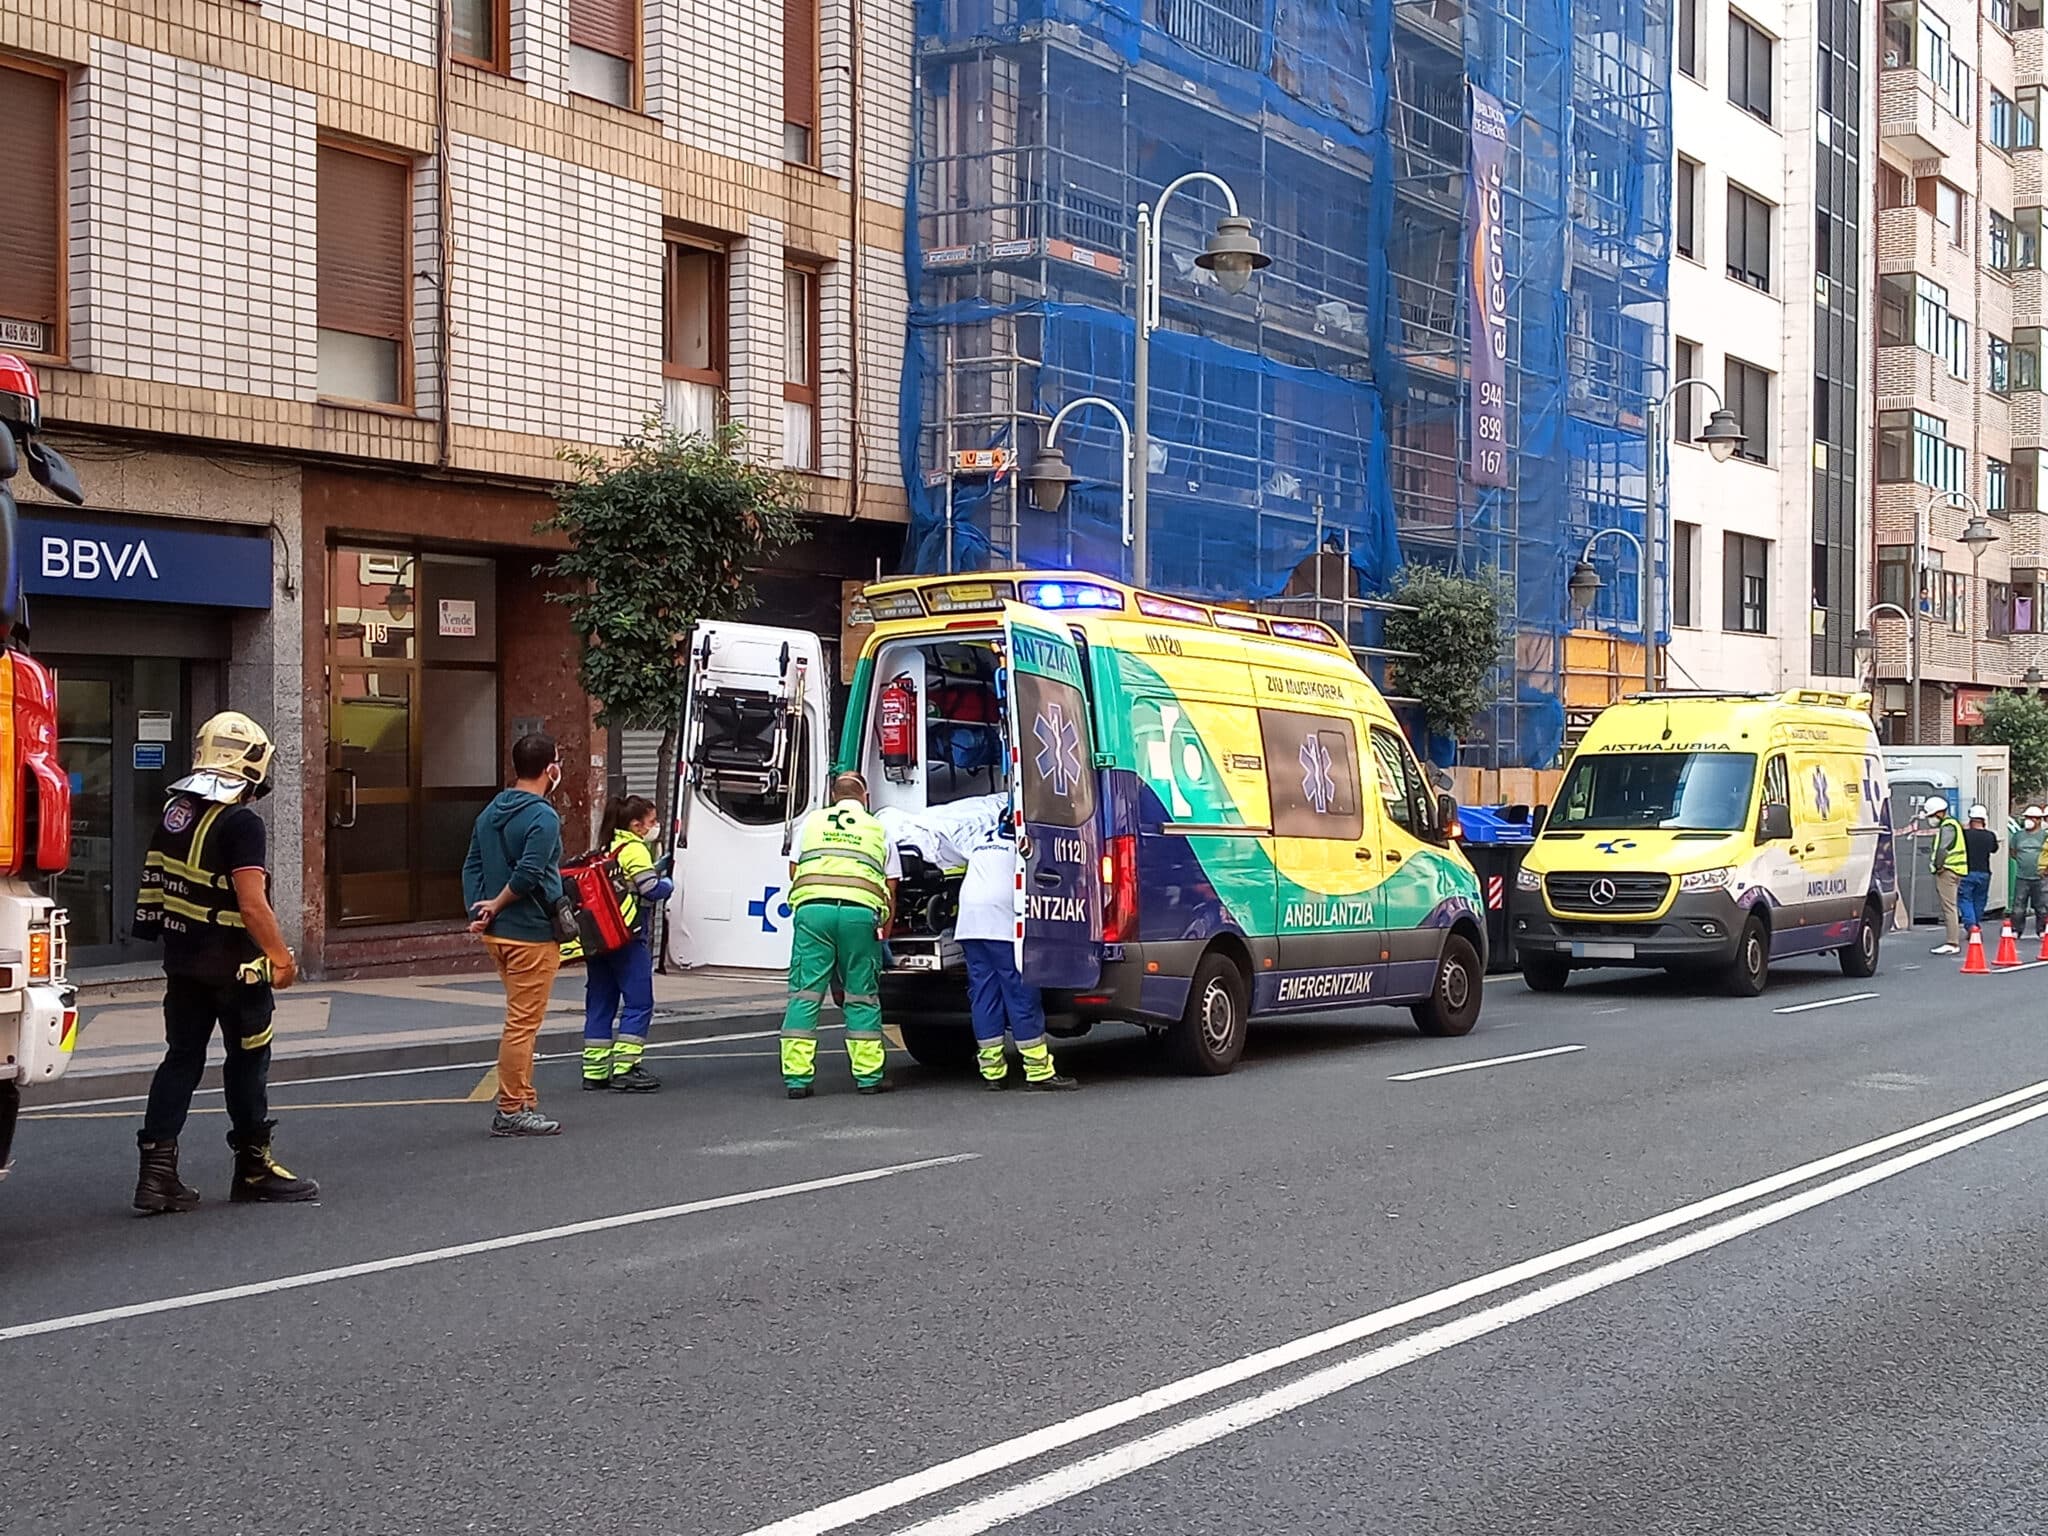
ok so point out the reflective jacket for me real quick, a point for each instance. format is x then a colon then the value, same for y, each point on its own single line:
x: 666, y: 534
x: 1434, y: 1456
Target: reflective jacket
x: 843, y: 855
x: 1950, y: 856
x: 636, y: 865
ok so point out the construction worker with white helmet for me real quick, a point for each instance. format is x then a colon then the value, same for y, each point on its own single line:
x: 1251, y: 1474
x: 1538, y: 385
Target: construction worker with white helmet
x: 1949, y: 861
x: 206, y: 895
x: 2025, y: 838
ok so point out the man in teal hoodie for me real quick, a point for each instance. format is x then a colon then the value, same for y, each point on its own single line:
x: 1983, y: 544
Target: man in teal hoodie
x: 511, y: 880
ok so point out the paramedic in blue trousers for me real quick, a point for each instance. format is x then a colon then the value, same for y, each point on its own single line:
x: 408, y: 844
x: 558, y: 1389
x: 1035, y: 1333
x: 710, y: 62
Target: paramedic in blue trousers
x: 987, y: 931
x: 625, y: 975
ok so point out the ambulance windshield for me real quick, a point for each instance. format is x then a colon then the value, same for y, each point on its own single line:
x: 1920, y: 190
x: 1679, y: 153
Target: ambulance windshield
x: 1675, y: 791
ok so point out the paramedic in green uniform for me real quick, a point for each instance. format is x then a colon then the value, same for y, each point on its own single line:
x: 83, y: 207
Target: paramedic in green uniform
x: 843, y: 893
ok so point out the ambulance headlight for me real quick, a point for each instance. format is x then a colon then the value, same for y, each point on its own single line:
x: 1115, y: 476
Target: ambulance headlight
x: 1704, y: 880
x: 1528, y: 880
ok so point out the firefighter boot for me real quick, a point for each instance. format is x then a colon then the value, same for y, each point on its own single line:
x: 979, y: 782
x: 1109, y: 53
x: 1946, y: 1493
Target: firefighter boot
x: 157, y: 1187
x: 259, y: 1176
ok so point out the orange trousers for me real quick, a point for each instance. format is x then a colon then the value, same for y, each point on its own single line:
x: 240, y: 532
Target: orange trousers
x: 528, y: 972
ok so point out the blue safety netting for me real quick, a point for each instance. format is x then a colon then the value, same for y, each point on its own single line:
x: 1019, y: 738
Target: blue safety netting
x: 1323, y: 409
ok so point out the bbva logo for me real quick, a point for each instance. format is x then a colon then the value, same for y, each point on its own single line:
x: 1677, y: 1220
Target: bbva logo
x: 91, y: 559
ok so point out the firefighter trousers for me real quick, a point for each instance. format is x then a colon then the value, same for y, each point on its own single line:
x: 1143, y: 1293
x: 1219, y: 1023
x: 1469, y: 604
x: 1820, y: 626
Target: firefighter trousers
x: 834, y: 941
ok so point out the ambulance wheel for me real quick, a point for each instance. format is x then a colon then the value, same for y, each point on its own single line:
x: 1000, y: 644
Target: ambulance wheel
x: 1545, y: 973
x: 1210, y: 1035
x: 939, y: 1047
x: 1750, y: 971
x: 1859, y: 959
x: 1453, y: 1008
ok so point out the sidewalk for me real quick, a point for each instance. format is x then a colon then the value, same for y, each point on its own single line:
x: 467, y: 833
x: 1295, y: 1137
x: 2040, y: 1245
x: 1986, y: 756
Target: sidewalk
x: 362, y: 1026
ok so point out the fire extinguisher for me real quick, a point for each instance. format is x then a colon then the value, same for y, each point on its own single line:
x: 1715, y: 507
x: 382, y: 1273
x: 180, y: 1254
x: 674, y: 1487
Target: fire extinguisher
x: 898, y: 724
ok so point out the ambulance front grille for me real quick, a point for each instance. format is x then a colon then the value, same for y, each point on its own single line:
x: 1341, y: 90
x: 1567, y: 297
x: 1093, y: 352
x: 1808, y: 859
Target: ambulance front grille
x: 1604, y: 893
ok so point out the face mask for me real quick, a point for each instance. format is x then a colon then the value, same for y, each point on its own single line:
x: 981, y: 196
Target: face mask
x: 554, y: 777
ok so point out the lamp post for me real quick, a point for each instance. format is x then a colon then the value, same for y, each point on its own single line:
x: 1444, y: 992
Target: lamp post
x: 1233, y: 254
x: 1977, y: 536
x: 1866, y: 641
x: 1049, y: 477
x: 1721, y: 436
x: 1585, y: 585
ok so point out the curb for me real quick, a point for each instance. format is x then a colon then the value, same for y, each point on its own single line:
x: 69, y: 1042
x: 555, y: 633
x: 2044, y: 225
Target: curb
x: 478, y: 1050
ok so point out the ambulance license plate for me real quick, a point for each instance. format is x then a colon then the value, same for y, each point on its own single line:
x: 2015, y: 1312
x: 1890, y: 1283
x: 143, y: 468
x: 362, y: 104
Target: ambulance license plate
x: 917, y: 962
x: 1597, y: 951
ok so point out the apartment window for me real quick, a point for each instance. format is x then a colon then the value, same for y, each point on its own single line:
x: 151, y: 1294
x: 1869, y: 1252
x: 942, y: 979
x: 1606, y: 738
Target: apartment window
x: 1749, y: 238
x: 799, y: 368
x: 1745, y: 584
x: 1689, y: 38
x: 1948, y: 205
x: 1913, y: 446
x: 2026, y: 239
x: 2025, y: 353
x: 604, y: 49
x: 1998, y: 371
x: 2026, y: 117
x: 2026, y: 15
x: 693, y: 359
x: 2004, y: 241
x: 1999, y: 128
x: 2026, y: 602
x: 2024, y: 484
x: 800, y: 81
x: 1688, y: 207
x: 1749, y: 67
x: 32, y: 254
x: 1894, y: 187
x: 1914, y: 311
x: 365, y: 275
x: 1894, y: 574
x: 1685, y: 358
x: 1747, y: 390
x: 1948, y: 600
x: 2000, y: 12
x: 1685, y: 575
x: 1996, y: 473
x: 479, y: 33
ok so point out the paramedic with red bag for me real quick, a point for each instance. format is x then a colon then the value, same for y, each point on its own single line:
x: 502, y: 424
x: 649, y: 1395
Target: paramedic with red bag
x: 625, y: 976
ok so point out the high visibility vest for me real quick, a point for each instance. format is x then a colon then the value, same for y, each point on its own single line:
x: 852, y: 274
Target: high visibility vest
x: 184, y: 890
x: 842, y: 856
x: 1957, y: 860
x: 636, y: 867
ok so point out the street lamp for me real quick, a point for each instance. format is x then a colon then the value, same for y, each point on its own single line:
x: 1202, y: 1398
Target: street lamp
x: 1232, y: 255
x: 1048, y: 479
x: 1585, y: 584
x: 2032, y: 678
x: 1721, y: 436
x: 1977, y: 533
x: 1865, y: 643
x: 1977, y: 536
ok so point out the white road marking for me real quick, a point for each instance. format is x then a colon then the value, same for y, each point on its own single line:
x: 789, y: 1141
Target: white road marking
x: 1827, y: 1002
x: 897, y: 1492
x: 2012, y: 970
x: 1065, y: 1482
x: 464, y: 1250
x: 1490, y: 1061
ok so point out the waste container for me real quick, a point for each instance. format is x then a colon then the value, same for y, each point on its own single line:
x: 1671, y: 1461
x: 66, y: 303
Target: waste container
x: 1496, y: 839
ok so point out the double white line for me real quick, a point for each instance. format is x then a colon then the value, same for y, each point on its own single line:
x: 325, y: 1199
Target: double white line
x: 1991, y: 1118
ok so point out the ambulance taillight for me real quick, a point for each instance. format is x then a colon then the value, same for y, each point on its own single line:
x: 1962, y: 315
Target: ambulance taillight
x: 1120, y: 891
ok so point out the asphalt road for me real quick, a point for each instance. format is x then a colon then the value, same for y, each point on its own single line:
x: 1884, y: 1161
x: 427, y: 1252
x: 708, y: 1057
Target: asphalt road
x: 1721, y: 1267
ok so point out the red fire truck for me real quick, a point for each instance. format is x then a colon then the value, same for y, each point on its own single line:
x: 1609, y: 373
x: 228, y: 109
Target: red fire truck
x: 38, y: 1006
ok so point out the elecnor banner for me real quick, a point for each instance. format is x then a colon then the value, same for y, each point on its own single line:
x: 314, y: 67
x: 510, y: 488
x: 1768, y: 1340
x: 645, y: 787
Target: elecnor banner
x: 1487, y: 297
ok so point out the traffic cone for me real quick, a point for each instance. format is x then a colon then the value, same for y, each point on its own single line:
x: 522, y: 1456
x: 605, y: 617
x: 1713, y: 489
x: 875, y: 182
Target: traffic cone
x: 2042, y: 958
x: 1973, y: 958
x: 2008, y: 947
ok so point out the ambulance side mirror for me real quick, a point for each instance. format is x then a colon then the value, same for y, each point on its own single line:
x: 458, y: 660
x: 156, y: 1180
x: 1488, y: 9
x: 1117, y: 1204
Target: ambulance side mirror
x: 1775, y: 824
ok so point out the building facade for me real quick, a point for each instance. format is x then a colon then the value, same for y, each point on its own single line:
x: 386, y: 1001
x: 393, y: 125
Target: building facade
x: 1768, y: 565
x: 1958, y: 431
x: 319, y: 292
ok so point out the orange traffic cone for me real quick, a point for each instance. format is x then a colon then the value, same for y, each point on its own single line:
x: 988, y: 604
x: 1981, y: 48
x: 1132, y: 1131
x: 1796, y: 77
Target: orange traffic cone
x: 2042, y: 958
x: 2008, y: 947
x: 1973, y: 957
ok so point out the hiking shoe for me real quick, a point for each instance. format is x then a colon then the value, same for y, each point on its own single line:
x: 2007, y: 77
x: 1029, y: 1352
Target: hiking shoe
x: 1054, y: 1084
x: 1944, y: 949
x: 636, y: 1079
x: 802, y: 1091
x: 597, y: 1085
x: 524, y: 1122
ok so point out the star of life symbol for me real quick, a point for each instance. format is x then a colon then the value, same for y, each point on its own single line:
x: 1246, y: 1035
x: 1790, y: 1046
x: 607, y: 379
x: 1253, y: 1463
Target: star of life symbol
x: 1318, y: 787
x: 1822, y: 800
x: 1059, y: 749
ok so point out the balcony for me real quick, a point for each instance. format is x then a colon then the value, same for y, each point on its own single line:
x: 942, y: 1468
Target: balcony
x: 1908, y: 240
x: 1909, y: 378
x: 1912, y: 119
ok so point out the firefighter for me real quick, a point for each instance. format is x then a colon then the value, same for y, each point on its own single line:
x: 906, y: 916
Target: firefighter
x: 843, y: 891
x: 206, y: 894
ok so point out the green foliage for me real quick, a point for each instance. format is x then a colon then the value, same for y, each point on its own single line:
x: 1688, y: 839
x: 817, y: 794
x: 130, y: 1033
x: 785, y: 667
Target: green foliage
x: 1457, y: 633
x: 663, y: 531
x: 2019, y: 721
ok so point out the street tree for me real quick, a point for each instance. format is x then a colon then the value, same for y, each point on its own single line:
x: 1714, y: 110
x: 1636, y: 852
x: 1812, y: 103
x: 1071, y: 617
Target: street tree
x: 2019, y: 723
x: 1456, y: 631
x: 664, y: 531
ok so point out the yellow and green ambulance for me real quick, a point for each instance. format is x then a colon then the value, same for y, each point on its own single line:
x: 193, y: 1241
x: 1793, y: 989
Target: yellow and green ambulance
x: 1219, y: 818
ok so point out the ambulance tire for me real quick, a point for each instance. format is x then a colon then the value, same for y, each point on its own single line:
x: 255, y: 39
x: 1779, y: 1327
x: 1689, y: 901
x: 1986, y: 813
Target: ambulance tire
x: 1453, y: 1007
x: 1545, y: 973
x: 1750, y: 971
x: 1859, y: 960
x: 939, y: 1047
x: 1210, y: 1035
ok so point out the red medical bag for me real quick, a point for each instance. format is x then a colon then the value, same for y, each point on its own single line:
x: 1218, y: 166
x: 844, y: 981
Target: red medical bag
x: 597, y: 888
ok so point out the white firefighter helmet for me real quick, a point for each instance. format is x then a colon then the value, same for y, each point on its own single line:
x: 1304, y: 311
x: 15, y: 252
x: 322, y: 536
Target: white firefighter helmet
x: 230, y: 760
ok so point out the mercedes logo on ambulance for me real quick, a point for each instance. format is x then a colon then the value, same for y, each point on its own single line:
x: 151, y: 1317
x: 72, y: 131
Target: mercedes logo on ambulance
x: 1603, y: 892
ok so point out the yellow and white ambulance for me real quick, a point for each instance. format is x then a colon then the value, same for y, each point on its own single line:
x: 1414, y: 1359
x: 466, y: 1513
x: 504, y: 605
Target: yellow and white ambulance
x: 1712, y: 834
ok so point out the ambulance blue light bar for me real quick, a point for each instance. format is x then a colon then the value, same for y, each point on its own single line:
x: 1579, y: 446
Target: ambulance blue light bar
x: 1071, y: 594
x: 1167, y: 608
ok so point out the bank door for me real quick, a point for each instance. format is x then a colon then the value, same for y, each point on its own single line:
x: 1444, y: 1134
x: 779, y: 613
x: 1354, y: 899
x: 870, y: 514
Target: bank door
x: 1052, y: 798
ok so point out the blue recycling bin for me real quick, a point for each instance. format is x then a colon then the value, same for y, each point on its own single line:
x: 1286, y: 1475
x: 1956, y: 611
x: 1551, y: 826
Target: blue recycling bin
x: 1496, y: 838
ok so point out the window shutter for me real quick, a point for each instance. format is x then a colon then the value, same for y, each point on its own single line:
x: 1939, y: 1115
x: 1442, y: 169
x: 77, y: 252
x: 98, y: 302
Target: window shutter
x: 31, y: 240
x: 1731, y: 582
x: 800, y: 62
x: 609, y: 27
x: 365, y: 235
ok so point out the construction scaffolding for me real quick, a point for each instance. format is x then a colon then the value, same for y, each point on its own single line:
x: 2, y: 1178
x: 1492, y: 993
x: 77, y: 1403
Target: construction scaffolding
x: 1324, y: 409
